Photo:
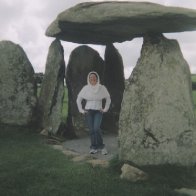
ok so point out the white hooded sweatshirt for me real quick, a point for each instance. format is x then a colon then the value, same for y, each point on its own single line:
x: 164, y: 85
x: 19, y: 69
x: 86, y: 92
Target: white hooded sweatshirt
x: 93, y: 96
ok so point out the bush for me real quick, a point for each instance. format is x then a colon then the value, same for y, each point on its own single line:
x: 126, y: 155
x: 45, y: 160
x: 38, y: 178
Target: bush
x: 193, y: 85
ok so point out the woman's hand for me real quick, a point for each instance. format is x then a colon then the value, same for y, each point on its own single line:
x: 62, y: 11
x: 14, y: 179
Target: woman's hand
x: 102, y: 110
x: 84, y: 112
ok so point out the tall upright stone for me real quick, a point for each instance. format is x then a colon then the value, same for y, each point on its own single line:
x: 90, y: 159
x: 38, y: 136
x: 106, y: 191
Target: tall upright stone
x: 83, y: 59
x: 157, y: 122
x: 17, y: 86
x: 114, y: 80
x: 52, y: 89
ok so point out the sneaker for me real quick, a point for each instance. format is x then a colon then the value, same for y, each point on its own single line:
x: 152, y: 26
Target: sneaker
x: 93, y: 151
x: 104, y: 151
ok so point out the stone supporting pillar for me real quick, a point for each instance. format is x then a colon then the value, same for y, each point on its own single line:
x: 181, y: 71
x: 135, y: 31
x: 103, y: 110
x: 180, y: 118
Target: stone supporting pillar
x: 157, y: 122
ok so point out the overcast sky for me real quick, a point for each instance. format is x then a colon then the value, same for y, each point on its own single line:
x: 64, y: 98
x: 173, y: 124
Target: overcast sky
x: 24, y: 22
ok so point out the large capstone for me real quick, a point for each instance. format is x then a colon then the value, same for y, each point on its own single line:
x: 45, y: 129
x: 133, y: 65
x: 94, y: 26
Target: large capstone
x: 17, y: 86
x: 109, y: 22
x: 83, y: 59
x: 157, y: 122
x: 52, y: 89
x: 115, y: 83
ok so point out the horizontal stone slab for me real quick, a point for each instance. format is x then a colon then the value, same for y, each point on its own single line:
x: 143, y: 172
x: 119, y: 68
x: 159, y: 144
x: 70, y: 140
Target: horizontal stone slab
x: 109, y: 22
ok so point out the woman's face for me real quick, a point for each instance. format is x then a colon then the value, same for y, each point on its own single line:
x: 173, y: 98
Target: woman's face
x: 93, y: 79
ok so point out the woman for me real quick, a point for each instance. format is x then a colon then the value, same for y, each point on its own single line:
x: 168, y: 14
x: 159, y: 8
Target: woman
x: 93, y: 93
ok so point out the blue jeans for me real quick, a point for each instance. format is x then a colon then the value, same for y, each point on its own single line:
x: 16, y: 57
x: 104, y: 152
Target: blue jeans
x: 94, y: 119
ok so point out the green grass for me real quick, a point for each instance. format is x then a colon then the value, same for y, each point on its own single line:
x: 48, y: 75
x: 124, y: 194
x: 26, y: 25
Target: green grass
x: 65, y: 106
x: 194, y: 98
x: 30, y: 167
x: 193, y: 77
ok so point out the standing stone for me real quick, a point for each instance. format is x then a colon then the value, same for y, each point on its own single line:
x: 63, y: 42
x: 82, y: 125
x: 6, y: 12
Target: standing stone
x: 157, y: 123
x: 17, y: 86
x: 83, y: 59
x: 132, y: 174
x: 114, y: 80
x: 52, y: 89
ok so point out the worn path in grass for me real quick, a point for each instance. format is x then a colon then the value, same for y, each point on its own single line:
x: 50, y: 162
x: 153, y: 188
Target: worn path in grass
x: 81, y: 146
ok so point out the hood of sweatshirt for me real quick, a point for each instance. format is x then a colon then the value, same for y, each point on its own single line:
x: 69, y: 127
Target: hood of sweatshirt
x: 97, y: 75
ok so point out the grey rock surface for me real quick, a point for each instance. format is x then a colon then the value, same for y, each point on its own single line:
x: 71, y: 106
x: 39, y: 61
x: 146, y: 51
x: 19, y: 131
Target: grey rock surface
x: 108, y: 22
x: 17, y: 86
x: 157, y: 122
x: 114, y: 81
x: 52, y: 89
x: 83, y: 59
x: 132, y: 174
x: 186, y: 191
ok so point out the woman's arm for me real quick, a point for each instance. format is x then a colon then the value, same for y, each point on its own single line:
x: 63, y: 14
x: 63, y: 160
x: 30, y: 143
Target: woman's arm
x: 79, y: 104
x: 107, y: 104
x: 108, y: 99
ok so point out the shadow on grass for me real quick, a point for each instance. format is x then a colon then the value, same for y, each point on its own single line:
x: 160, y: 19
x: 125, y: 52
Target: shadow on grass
x: 172, y: 176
